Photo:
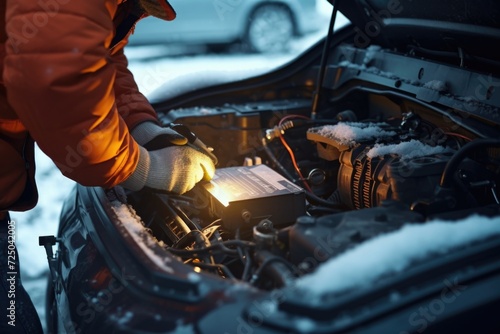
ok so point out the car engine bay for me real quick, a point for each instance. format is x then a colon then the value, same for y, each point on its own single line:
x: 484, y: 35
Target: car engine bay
x: 355, y: 190
x: 294, y: 188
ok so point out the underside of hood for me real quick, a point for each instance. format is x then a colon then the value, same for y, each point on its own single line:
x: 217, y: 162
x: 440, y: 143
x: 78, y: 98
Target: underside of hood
x: 461, y: 31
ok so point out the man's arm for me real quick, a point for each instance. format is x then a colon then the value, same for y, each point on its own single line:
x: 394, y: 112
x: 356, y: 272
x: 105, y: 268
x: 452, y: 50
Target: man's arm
x: 61, y: 84
x: 132, y: 104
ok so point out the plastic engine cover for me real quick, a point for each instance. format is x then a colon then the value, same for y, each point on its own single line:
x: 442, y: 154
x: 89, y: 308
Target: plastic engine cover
x: 314, y: 240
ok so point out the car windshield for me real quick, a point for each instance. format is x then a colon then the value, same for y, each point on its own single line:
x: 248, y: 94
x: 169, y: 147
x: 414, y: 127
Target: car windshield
x: 165, y: 57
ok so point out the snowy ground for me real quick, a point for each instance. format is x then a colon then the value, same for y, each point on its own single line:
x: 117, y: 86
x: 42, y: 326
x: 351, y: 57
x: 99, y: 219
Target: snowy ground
x: 151, y: 67
x: 42, y: 220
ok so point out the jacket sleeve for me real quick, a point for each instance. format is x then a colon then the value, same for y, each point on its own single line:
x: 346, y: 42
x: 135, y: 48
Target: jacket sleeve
x: 132, y: 105
x: 61, y: 84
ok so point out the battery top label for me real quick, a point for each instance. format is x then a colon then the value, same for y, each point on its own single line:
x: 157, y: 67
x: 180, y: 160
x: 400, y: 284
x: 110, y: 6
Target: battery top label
x: 248, y: 182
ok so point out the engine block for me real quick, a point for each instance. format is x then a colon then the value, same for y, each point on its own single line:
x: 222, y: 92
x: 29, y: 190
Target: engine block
x: 377, y: 165
x: 365, y: 181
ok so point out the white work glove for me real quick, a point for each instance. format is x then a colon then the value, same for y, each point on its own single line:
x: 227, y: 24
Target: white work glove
x: 174, y: 169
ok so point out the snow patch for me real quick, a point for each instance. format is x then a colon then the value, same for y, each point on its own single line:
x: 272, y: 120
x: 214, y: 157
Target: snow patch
x: 385, y: 74
x: 371, y: 51
x: 376, y: 71
x: 406, y: 150
x: 126, y: 318
x: 394, y: 252
x: 304, y: 325
x: 350, y: 133
x: 438, y: 85
x: 122, y: 319
x: 194, y: 277
x: 133, y: 224
x: 184, y: 328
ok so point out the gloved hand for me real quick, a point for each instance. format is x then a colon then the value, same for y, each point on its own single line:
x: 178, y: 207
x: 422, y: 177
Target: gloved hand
x: 174, y: 169
x: 145, y: 132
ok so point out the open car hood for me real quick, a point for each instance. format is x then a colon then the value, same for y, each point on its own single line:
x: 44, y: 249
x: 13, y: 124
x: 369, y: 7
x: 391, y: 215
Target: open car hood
x: 448, y: 28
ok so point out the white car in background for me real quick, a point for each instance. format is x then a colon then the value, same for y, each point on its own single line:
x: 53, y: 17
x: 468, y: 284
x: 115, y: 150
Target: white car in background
x: 258, y: 25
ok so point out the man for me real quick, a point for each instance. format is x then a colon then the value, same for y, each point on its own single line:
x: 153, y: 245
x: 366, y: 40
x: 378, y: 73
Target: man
x: 66, y: 86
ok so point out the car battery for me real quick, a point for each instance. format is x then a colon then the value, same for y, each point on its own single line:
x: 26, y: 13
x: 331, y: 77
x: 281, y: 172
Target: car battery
x: 243, y: 196
x: 235, y: 131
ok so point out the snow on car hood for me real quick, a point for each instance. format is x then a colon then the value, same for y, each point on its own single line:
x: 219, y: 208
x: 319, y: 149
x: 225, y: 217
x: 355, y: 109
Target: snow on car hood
x: 135, y: 227
x: 394, y: 252
x: 350, y: 133
x: 407, y: 150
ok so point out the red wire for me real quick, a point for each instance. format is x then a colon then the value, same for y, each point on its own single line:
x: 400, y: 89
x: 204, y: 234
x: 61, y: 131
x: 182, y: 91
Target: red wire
x: 291, y: 116
x: 457, y: 135
x: 294, y: 162
x: 290, y: 151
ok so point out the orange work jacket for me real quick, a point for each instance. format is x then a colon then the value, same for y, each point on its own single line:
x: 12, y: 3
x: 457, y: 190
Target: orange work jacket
x: 65, y: 85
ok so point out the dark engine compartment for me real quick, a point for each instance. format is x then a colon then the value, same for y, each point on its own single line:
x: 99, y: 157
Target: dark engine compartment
x: 382, y: 151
